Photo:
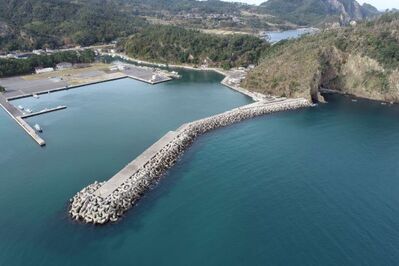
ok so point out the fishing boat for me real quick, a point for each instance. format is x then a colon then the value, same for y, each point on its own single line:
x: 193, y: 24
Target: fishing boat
x: 38, y: 128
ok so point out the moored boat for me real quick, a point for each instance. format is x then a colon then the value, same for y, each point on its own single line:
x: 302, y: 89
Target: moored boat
x: 38, y: 128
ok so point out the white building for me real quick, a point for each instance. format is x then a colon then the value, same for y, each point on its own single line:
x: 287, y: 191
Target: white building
x: 39, y: 51
x: 63, y: 65
x: 40, y: 70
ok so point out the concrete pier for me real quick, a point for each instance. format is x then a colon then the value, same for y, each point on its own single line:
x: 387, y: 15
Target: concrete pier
x: 18, y: 88
x: 16, y: 114
x: 104, y: 202
x: 120, y: 178
x: 45, y: 111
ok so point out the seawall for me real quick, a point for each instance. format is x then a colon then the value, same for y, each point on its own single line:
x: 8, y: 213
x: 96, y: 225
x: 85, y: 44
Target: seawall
x: 104, y: 202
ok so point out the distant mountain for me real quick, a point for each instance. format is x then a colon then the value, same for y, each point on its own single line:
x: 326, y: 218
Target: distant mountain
x: 31, y: 24
x: 313, y: 12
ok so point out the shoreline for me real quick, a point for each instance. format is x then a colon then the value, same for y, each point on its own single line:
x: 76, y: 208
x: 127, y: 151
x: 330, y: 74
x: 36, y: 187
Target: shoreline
x: 356, y: 97
x: 225, y: 73
x: 188, y: 67
x: 19, y: 117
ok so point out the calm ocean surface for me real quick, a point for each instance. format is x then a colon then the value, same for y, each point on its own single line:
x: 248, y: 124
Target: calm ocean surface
x: 318, y: 186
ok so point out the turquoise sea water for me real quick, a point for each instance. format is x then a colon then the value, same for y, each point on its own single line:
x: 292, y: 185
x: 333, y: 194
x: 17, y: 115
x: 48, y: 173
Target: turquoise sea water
x: 318, y: 186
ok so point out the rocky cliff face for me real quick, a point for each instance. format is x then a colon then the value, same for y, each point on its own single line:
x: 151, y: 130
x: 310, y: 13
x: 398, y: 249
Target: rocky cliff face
x: 361, y: 60
x: 320, y: 11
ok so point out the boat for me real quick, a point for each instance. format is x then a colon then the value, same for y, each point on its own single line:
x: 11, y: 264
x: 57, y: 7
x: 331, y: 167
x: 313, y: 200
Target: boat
x: 35, y: 96
x: 38, y: 128
x: 28, y: 110
x: 20, y: 107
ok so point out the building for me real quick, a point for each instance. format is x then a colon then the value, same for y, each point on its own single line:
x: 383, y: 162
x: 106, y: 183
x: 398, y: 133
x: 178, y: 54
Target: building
x: 40, y: 70
x: 353, y: 23
x: 63, y: 65
x: 39, y: 51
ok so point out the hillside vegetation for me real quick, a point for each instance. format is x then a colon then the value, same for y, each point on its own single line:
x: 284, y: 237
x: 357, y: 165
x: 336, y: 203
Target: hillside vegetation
x: 362, y: 60
x: 13, y: 67
x: 30, y: 24
x: 314, y: 12
x: 169, y: 44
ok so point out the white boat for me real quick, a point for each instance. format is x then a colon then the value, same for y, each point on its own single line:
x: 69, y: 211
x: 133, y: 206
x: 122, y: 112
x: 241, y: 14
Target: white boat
x: 38, y: 128
x: 20, y: 107
x: 35, y: 96
x: 28, y: 110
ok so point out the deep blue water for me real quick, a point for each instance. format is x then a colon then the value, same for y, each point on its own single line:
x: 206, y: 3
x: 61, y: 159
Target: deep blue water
x: 317, y: 186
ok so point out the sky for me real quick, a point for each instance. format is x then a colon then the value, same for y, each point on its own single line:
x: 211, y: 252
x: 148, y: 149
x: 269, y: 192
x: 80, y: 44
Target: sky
x: 380, y: 4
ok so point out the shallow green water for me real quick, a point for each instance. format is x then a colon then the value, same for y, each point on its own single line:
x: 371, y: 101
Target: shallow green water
x: 312, y: 187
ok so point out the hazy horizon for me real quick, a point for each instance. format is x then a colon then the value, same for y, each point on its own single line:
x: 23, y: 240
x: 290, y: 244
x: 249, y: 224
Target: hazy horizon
x: 380, y: 4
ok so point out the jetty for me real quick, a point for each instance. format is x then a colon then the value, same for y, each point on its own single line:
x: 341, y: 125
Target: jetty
x: 45, y: 111
x: 16, y: 114
x: 107, y: 201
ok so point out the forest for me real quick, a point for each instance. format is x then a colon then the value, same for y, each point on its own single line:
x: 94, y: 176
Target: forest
x: 13, y: 67
x: 33, y: 24
x: 170, y: 44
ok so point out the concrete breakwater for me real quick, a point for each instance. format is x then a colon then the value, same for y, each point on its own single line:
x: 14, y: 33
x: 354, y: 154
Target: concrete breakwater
x: 104, y: 202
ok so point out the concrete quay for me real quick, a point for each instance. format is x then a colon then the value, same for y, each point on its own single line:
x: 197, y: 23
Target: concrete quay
x: 45, y: 111
x: 18, y: 88
x: 104, y: 202
x: 16, y: 114
x: 118, y: 179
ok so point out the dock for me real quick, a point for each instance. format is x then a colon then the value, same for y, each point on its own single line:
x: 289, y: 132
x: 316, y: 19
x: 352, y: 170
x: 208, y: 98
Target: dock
x: 16, y: 114
x: 44, y: 111
x: 17, y: 88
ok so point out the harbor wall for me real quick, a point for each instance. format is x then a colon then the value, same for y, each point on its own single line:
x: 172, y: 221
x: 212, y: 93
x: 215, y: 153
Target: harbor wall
x: 103, y: 202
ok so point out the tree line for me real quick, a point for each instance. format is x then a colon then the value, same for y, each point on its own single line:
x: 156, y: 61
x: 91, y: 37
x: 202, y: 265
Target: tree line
x: 13, y: 67
x: 171, y: 44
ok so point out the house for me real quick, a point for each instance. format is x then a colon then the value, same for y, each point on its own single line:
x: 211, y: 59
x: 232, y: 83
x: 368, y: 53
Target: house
x: 353, y: 23
x: 63, y: 65
x: 39, y: 51
x: 40, y: 70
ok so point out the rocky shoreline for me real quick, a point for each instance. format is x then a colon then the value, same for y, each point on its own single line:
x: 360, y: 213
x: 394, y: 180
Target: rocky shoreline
x: 88, y: 207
